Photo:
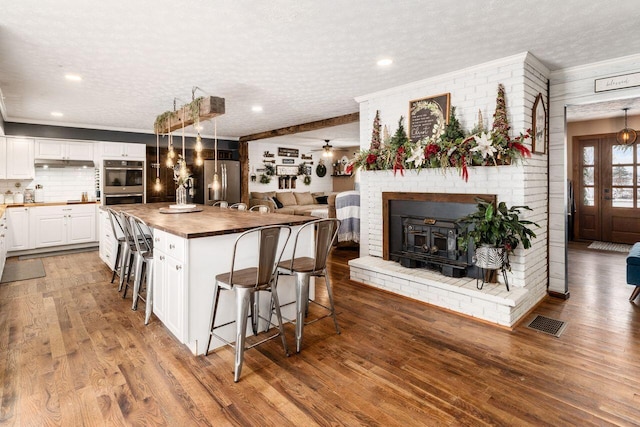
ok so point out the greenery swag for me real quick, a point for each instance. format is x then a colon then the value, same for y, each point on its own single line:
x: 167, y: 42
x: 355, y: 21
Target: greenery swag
x: 449, y: 146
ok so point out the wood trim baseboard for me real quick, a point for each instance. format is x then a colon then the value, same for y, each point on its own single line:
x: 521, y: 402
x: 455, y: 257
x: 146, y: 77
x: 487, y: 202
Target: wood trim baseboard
x: 561, y: 295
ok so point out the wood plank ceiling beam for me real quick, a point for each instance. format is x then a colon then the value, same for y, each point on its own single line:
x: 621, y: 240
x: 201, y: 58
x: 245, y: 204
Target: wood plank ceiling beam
x: 305, y: 127
x: 210, y: 107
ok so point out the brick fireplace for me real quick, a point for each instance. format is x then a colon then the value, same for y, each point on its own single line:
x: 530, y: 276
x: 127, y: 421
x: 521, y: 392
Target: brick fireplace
x: 493, y: 303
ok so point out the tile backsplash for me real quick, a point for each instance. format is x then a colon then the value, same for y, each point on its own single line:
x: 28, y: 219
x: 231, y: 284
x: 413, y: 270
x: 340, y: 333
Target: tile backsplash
x: 59, y: 184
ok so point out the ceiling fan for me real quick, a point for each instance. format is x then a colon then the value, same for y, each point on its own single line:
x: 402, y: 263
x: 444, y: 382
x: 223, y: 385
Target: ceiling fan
x: 327, y: 149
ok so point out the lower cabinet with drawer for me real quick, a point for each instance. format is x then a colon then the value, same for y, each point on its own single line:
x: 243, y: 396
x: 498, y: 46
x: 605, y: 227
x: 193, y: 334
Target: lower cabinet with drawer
x: 170, y: 274
x: 63, y: 225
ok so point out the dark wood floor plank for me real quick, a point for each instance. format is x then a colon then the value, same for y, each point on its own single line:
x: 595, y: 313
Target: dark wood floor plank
x: 73, y: 353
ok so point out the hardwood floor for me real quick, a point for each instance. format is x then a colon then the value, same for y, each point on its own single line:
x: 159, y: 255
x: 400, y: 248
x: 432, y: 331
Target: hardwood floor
x: 73, y: 353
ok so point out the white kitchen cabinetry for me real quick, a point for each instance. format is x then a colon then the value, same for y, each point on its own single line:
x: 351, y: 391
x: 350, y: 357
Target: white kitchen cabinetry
x: 3, y: 241
x: 63, y: 225
x: 3, y: 156
x: 17, y: 154
x: 122, y: 150
x: 63, y: 150
x: 108, y: 243
x: 169, y: 254
x: 18, y: 229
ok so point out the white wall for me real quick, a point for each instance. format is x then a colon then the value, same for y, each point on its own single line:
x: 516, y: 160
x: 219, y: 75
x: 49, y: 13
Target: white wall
x: 573, y: 86
x: 256, y: 157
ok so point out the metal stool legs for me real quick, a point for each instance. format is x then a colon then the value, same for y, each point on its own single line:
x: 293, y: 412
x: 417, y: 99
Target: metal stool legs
x: 302, y: 305
x: 246, y: 298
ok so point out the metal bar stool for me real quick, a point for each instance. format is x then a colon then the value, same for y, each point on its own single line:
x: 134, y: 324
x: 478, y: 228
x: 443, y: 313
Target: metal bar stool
x: 247, y: 282
x: 305, y: 267
x: 143, y: 265
x: 221, y: 204
x: 118, y: 234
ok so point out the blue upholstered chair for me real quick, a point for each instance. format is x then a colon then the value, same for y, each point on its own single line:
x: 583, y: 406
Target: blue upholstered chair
x: 633, y: 270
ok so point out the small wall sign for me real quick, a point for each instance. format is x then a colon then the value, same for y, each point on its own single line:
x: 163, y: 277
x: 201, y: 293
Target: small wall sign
x: 617, y: 82
x: 288, y: 152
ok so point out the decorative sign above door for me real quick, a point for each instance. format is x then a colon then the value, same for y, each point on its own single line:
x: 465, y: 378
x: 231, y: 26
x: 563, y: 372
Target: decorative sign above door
x: 617, y: 82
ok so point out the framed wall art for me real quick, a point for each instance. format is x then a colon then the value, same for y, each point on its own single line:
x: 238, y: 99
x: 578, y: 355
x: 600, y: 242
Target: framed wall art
x: 425, y: 113
x: 539, y: 126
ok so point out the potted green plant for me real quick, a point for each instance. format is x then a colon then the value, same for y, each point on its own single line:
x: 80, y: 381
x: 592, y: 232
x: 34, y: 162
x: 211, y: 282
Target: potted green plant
x: 495, y: 232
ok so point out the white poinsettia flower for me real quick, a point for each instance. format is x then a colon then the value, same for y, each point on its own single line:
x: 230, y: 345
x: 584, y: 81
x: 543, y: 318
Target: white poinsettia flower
x: 417, y: 155
x: 484, y: 146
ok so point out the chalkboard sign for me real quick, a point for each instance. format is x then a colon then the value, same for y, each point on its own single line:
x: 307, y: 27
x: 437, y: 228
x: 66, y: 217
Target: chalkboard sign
x: 425, y: 113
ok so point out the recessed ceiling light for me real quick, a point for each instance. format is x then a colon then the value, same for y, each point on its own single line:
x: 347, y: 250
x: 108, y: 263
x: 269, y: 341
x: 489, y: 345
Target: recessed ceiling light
x: 256, y: 109
x: 56, y: 114
x: 385, y: 62
x: 73, y: 77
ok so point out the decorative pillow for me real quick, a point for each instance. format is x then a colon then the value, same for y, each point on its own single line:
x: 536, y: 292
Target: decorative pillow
x: 304, y: 198
x: 277, y: 202
x: 286, y: 198
x: 322, y: 200
x: 262, y: 195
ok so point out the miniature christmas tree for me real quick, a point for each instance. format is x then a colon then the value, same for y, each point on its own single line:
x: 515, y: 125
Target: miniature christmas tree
x: 479, y: 127
x: 500, y: 128
x: 386, y: 137
x: 453, y: 131
x: 399, y: 138
x: 375, y: 136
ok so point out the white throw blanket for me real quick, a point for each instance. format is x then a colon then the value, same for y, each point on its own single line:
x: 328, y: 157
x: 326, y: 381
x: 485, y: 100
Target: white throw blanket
x: 348, y: 212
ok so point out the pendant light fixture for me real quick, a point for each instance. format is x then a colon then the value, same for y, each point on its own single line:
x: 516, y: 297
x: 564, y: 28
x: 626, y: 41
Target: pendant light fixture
x: 216, y: 186
x: 157, y: 186
x: 626, y: 136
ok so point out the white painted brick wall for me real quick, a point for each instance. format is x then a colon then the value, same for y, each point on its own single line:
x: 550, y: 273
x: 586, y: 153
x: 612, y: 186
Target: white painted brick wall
x: 471, y: 89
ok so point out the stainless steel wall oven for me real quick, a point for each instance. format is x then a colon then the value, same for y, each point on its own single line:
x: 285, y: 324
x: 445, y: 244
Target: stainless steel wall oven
x: 123, y: 182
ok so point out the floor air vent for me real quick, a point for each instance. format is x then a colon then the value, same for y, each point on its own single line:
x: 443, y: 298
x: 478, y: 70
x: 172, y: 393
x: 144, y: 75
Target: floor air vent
x: 547, y: 325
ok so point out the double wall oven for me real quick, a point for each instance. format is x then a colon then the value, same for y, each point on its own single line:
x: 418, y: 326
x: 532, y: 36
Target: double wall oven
x: 123, y: 182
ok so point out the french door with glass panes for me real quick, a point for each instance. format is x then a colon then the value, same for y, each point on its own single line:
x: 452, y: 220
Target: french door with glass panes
x: 607, y: 193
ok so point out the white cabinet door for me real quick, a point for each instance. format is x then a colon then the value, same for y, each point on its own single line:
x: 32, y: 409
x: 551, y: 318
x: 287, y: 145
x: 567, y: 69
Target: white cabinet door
x: 48, y: 228
x: 159, y: 284
x: 18, y: 229
x: 20, y: 157
x: 174, y: 313
x: 137, y: 151
x: 63, y: 225
x: 3, y: 157
x: 3, y: 241
x: 117, y: 150
x: 81, y: 225
x: 63, y: 150
x: 50, y: 150
x: 80, y: 150
x: 108, y: 243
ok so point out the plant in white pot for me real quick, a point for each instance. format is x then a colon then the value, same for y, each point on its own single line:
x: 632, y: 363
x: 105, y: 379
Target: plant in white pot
x: 495, y: 232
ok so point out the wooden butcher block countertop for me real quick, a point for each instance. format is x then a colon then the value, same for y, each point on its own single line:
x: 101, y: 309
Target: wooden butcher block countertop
x: 211, y: 221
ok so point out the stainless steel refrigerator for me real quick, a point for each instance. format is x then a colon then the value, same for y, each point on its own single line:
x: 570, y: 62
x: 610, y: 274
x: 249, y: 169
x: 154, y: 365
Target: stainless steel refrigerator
x: 229, y: 174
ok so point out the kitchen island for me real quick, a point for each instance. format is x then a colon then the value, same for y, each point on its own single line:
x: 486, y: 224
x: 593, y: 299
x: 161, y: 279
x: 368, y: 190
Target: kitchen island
x: 190, y: 249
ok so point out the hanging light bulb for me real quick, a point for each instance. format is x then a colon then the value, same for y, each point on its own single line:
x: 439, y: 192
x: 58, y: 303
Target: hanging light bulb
x: 170, y: 154
x: 158, y: 186
x: 198, y: 160
x: 198, y: 143
x: 216, y: 186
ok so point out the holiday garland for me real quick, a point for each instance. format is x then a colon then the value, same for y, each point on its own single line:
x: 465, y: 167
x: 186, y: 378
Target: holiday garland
x: 449, y: 146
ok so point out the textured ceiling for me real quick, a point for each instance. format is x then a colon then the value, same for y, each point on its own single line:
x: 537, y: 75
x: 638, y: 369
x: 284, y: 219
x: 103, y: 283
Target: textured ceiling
x: 300, y: 60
